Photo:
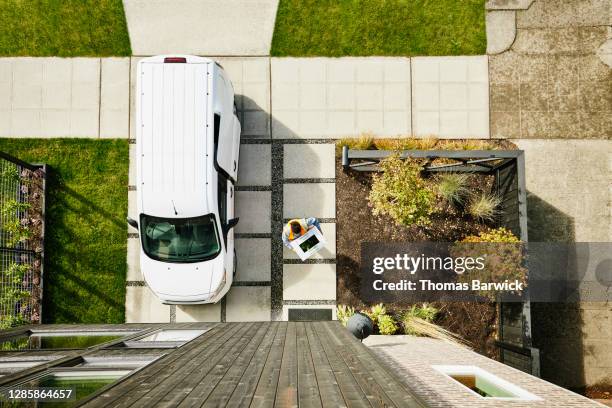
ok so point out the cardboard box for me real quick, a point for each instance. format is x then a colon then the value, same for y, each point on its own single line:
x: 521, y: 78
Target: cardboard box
x: 308, y: 244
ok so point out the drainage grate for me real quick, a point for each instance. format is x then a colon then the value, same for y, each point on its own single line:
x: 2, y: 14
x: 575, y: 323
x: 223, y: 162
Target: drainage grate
x: 306, y: 315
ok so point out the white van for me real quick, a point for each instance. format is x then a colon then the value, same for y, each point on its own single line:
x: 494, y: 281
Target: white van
x: 188, y: 140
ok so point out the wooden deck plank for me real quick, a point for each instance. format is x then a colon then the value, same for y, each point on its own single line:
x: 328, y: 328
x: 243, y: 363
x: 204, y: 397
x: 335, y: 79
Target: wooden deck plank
x: 207, y: 386
x: 367, y: 381
x: 179, y: 381
x: 265, y: 393
x: 352, y: 393
x: 365, y: 361
x: 308, y: 391
x: 150, y: 376
x: 243, y: 369
x: 331, y: 396
x: 286, y: 392
x: 245, y: 390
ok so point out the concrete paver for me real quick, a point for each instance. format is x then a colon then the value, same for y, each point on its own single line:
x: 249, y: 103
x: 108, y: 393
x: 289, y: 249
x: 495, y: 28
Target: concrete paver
x: 254, y: 168
x: 309, y: 282
x: 250, y: 77
x: 50, y: 97
x: 114, y: 97
x: 309, y: 161
x: 198, y: 313
x: 254, y: 259
x: 142, y: 306
x: 200, y: 27
x: 254, y: 210
x: 329, y: 252
x: 309, y: 200
x: 450, y: 97
x: 501, y: 30
x: 248, y: 304
x: 337, y: 97
x: 286, y: 308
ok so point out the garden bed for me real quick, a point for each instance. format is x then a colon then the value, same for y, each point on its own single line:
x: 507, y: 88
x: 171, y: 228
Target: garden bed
x: 475, y: 322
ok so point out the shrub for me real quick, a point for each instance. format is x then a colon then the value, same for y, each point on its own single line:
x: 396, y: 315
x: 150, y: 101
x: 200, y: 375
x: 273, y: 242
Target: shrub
x: 386, y: 325
x: 425, y: 312
x: 483, y: 207
x: 503, y: 260
x: 375, y: 312
x: 401, y: 193
x: 344, y: 313
x: 453, y: 187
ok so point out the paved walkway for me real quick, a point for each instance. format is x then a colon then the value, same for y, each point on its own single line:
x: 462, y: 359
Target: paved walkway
x: 64, y: 97
x: 201, y: 27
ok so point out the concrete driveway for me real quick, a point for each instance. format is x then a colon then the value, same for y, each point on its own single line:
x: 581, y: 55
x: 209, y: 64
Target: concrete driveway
x: 201, y: 27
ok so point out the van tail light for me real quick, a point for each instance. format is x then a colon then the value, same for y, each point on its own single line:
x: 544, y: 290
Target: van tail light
x: 175, y: 60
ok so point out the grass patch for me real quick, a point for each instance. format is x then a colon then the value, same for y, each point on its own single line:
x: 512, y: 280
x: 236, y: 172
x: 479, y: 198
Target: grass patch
x: 85, y: 242
x: 379, y: 27
x: 64, y: 28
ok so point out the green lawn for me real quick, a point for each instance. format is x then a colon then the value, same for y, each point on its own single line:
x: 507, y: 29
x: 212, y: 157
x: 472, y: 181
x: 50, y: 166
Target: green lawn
x: 335, y: 28
x: 64, y: 28
x: 85, y: 242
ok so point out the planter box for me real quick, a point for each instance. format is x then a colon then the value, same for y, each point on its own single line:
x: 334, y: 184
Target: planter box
x: 308, y: 244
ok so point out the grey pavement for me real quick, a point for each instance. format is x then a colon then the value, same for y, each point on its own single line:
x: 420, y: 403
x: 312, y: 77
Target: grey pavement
x: 64, y: 97
x: 200, y: 27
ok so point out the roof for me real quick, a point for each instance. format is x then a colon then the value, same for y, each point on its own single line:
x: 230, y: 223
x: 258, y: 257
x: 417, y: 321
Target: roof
x: 174, y: 100
x: 264, y: 364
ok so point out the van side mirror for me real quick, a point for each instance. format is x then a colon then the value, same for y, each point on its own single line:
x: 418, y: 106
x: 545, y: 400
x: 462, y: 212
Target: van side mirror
x: 132, y: 222
x: 231, y: 224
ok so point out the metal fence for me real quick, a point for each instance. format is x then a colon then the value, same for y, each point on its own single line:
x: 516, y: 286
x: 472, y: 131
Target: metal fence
x: 22, y: 224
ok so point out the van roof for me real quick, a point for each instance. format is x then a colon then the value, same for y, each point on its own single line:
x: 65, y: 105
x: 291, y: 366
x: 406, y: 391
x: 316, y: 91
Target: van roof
x: 173, y: 137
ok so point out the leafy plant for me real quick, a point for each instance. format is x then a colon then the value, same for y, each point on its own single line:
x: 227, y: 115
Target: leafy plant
x: 503, y: 258
x: 16, y: 228
x: 386, y: 325
x: 425, y: 312
x: 343, y: 313
x: 453, y: 187
x: 483, y: 206
x: 11, y: 294
x: 401, y: 193
x: 375, y: 312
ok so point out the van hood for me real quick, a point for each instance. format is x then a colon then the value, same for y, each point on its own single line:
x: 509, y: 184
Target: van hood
x: 189, y: 282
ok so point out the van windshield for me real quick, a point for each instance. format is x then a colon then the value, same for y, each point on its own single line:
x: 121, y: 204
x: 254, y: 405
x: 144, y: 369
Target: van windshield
x: 180, y: 239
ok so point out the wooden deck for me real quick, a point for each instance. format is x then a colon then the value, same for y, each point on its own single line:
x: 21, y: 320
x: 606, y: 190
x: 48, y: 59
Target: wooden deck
x: 267, y: 364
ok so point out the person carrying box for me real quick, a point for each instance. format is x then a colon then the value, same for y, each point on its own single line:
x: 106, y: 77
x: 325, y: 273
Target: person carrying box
x: 297, y: 227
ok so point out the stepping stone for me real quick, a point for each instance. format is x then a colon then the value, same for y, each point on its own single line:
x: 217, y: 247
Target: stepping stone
x: 248, y: 304
x: 255, y: 165
x: 328, y: 252
x: 254, y: 259
x: 309, y: 282
x: 508, y: 4
x: 451, y: 96
x: 198, y: 313
x: 254, y: 209
x: 309, y: 200
x: 142, y: 306
x: 501, y: 30
x: 309, y: 161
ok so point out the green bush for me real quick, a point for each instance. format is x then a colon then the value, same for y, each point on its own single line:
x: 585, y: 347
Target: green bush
x: 401, y: 193
x: 425, y: 312
x: 343, y: 313
x: 483, y: 207
x: 386, y: 325
x: 503, y: 253
x: 453, y: 187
